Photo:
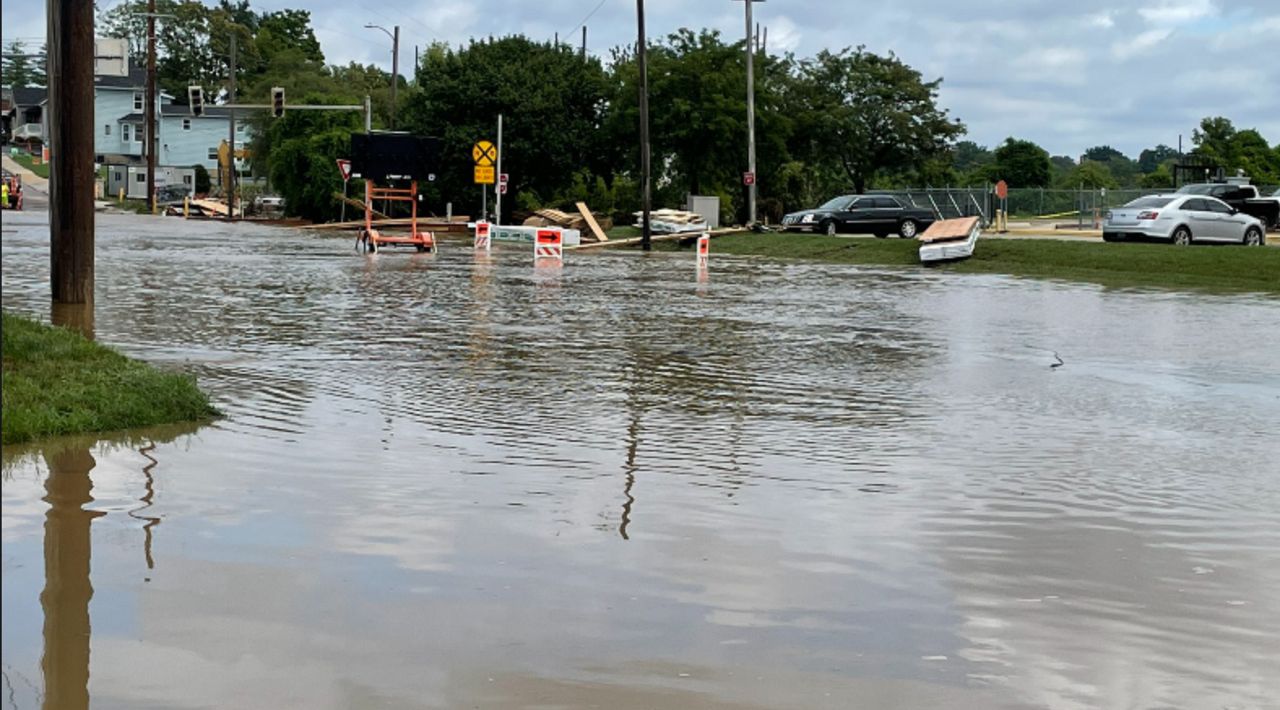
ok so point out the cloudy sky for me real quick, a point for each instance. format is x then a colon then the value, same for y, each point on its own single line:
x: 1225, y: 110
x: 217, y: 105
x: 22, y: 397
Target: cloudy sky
x: 1068, y: 75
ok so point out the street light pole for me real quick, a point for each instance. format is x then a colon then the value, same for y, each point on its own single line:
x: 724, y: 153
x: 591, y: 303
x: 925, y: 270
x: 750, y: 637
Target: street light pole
x: 395, y: 64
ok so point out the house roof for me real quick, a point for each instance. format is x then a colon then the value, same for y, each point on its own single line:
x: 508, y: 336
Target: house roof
x: 26, y: 96
x: 136, y: 80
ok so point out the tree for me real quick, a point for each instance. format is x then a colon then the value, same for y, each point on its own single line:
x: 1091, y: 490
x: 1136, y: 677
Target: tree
x: 1255, y: 157
x: 1152, y: 158
x: 875, y: 114
x: 1159, y: 178
x: 303, y: 146
x: 18, y: 69
x: 552, y: 100
x: 1124, y: 170
x: 203, y: 184
x: 1214, y: 140
x: 1021, y: 164
x: 1089, y: 174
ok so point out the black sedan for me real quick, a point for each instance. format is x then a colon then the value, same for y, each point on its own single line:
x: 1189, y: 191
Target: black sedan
x: 880, y: 215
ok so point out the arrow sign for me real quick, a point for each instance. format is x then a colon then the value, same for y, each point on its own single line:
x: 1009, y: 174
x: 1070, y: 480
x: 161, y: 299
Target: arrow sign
x: 344, y: 167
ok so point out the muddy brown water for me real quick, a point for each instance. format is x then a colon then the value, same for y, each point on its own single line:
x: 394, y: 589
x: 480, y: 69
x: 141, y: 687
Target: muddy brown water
x: 445, y: 482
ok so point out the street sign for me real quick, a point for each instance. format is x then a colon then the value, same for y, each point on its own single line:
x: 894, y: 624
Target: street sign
x: 1002, y: 190
x: 502, y: 188
x: 485, y: 175
x: 748, y: 179
x: 503, y: 178
x: 344, y: 168
x: 485, y: 154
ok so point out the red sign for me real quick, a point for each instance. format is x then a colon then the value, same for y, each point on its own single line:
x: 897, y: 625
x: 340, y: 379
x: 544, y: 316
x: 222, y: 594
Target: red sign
x: 502, y: 179
x: 502, y: 189
x: 1002, y: 190
x: 548, y: 243
x: 748, y: 179
x: 344, y: 167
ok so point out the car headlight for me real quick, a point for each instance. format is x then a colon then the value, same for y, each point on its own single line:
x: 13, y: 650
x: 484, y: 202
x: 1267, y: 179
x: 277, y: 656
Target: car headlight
x: 807, y: 218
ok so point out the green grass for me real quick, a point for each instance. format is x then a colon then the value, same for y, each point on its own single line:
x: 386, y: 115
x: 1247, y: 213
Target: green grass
x: 58, y: 382
x: 1225, y: 268
x: 28, y: 162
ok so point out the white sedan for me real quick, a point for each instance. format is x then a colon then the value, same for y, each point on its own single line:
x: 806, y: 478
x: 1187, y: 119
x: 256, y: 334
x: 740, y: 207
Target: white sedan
x: 1182, y: 219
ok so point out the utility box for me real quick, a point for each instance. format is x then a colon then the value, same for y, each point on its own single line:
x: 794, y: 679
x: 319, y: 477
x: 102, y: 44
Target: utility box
x: 706, y: 207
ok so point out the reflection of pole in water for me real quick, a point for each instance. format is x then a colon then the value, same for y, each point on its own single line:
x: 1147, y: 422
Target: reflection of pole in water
x: 67, y: 590
x: 146, y: 501
x: 633, y: 442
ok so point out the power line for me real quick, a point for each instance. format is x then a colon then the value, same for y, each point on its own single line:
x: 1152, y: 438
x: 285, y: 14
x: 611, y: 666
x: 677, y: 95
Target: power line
x: 588, y: 17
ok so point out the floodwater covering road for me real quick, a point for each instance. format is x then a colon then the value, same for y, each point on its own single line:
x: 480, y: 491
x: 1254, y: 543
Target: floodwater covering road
x: 446, y: 482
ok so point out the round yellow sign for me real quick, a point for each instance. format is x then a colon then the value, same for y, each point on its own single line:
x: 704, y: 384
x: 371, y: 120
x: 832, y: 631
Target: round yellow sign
x: 484, y: 153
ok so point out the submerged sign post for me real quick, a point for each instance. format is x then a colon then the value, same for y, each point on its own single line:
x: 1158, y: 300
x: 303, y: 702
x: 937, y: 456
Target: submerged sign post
x: 548, y: 244
x: 704, y: 251
x: 344, y: 169
x: 485, y: 155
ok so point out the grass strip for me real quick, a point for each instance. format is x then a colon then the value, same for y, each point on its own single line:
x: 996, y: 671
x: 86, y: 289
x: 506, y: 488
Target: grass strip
x: 57, y: 382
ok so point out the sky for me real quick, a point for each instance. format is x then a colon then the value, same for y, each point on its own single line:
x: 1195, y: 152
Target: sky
x: 1068, y: 75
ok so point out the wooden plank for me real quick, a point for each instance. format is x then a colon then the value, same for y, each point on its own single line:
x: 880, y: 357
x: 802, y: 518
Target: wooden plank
x: 357, y: 204
x: 591, y: 222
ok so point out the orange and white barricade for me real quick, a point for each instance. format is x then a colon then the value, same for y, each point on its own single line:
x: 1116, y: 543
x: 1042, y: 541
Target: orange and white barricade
x: 704, y: 250
x: 548, y: 244
x: 484, y: 239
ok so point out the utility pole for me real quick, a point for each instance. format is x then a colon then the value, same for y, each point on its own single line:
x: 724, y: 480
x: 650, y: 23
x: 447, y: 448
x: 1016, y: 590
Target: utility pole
x: 751, y: 118
x: 150, y: 125
x: 395, y: 73
x: 497, y: 190
x: 646, y: 195
x: 584, y: 43
x: 231, y: 136
x: 69, y: 66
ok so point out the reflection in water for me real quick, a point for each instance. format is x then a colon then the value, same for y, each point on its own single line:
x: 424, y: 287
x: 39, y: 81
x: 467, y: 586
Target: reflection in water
x: 151, y: 521
x: 67, y: 589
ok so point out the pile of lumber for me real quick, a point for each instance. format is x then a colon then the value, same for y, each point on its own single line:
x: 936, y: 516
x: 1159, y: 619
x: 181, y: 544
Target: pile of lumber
x: 590, y: 225
x: 673, y: 221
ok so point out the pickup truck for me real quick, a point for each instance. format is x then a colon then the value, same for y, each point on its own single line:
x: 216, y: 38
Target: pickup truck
x: 1242, y: 197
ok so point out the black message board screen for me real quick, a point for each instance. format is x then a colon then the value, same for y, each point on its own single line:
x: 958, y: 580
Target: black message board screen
x: 399, y: 156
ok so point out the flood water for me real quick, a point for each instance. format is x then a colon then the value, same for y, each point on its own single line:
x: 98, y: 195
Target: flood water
x: 445, y: 482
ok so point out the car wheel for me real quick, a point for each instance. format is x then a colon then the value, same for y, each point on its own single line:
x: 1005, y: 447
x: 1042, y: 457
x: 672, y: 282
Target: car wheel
x: 1181, y: 236
x: 829, y: 228
x: 1112, y: 237
x: 908, y: 229
x: 1253, y: 237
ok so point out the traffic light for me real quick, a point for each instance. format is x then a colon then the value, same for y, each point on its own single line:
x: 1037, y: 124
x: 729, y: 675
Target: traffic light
x: 277, y: 101
x: 195, y: 100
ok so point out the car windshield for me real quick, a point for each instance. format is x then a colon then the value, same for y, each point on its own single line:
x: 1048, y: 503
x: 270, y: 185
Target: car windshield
x: 1276, y: 193
x: 837, y: 203
x: 1196, y: 189
x: 1150, y: 202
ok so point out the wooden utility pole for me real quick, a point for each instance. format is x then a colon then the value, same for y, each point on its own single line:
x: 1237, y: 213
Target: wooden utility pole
x: 150, y: 122
x: 69, y: 67
x: 584, y: 43
x: 646, y: 194
x: 395, y: 73
x: 751, y: 115
x: 230, y: 186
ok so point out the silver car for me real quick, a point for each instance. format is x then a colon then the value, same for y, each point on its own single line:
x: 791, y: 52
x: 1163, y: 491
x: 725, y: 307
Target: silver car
x: 1181, y: 219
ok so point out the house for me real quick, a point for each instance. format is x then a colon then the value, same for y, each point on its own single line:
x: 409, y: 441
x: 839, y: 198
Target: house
x: 24, y: 114
x: 120, y: 126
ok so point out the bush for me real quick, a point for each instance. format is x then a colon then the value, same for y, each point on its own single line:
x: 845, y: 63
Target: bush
x: 203, y: 183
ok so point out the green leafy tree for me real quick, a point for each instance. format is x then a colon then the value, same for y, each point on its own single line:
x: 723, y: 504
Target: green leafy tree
x: 303, y: 147
x: 1021, y: 163
x: 1151, y: 159
x: 552, y: 100
x: 1121, y: 167
x: 1255, y: 157
x: 1159, y: 178
x: 874, y: 114
x: 1215, y: 141
x: 1089, y: 174
x: 203, y: 183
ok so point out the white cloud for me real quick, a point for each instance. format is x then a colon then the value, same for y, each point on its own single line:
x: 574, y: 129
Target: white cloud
x: 1141, y: 44
x: 1178, y: 12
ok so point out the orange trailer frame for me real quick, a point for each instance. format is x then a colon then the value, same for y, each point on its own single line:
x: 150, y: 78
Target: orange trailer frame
x: 373, y: 239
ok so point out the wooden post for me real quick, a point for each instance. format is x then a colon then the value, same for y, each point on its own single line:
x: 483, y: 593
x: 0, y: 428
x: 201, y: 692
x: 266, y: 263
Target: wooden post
x: 71, y: 176
x: 230, y: 186
x: 150, y: 123
x: 646, y: 193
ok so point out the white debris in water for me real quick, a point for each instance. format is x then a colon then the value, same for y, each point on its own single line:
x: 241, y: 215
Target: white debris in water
x: 933, y: 658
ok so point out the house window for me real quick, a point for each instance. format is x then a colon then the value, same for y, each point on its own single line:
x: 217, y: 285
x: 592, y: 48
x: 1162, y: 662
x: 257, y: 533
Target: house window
x: 140, y: 177
x: 125, y: 129
x: 186, y: 124
x: 137, y: 101
x: 213, y: 154
x: 106, y: 129
x: 186, y: 179
x: 240, y: 128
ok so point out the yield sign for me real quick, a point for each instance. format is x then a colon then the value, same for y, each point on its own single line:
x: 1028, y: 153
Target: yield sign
x: 344, y: 167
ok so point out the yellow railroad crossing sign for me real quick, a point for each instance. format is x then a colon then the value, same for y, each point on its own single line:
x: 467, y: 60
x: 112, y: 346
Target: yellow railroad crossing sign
x: 485, y: 154
x: 485, y: 175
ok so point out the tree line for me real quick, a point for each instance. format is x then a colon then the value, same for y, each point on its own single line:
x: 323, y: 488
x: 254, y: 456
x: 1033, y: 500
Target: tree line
x: 841, y: 121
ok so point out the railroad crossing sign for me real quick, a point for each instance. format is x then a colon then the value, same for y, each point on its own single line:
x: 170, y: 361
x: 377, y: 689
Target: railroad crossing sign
x: 748, y: 179
x: 485, y: 174
x: 344, y: 168
x: 485, y: 154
